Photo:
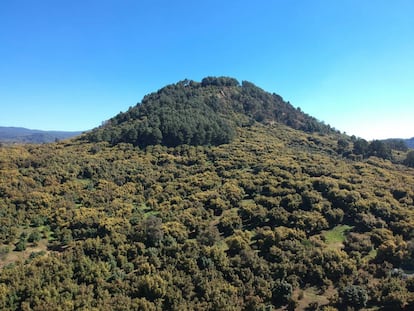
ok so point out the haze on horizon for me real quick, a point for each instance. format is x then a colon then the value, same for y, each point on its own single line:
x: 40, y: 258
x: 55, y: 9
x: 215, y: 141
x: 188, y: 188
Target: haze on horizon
x: 71, y: 65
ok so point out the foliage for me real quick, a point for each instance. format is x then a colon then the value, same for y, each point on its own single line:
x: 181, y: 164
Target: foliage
x: 409, y: 161
x: 281, y: 292
x: 199, y: 114
x: 246, y: 225
x: 375, y: 148
x: 379, y: 149
x: 396, y: 144
x: 354, y: 296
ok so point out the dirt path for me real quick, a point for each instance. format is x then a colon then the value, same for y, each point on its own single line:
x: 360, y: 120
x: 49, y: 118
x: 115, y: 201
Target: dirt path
x: 14, y: 256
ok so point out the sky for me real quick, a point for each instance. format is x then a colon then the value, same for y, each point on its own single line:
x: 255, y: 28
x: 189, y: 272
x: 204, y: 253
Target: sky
x: 71, y: 64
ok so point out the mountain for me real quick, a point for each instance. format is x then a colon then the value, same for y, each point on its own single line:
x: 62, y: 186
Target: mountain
x: 23, y: 135
x: 410, y: 142
x: 400, y: 144
x: 278, y: 211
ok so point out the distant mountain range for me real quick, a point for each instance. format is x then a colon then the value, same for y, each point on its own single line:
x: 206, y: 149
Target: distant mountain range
x: 24, y: 135
x: 400, y: 143
x: 410, y: 142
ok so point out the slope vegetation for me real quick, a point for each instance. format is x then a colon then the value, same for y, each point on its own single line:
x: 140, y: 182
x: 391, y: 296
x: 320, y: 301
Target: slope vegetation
x: 275, y: 218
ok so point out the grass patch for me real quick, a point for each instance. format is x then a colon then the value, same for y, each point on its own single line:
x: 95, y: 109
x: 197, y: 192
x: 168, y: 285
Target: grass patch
x: 151, y: 213
x: 305, y: 297
x: 336, y: 236
x: 371, y: 255
x: 11, y: 257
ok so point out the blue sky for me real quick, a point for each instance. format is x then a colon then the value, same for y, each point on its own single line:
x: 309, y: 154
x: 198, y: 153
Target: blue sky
x: 69, y: 65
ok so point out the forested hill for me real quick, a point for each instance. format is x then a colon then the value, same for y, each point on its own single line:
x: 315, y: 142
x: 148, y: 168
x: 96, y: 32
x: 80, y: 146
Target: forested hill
x: 205, y: 113
x: 286, y: 215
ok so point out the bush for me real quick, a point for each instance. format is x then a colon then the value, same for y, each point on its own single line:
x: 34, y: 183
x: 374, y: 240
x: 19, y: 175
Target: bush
x: 4, y: 250
x: 20, y: 246
x: 34, y: 237
x: 354, y: 296
x: 281, y: 293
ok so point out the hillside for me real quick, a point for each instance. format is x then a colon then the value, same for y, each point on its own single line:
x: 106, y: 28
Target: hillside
x: 23, y: 135
x: 274, y: 217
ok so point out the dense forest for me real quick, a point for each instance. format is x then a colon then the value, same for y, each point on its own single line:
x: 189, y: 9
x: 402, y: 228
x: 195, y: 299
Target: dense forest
x: 268, y: 209
x: 205, y: 113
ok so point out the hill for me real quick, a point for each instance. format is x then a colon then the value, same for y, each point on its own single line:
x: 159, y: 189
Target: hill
x: 205, y: 113
x: 23, y: 135
x: 410, y: 142
x: 276, y: 217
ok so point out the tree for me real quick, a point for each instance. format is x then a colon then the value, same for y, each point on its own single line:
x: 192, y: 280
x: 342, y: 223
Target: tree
x: 354, y: 296
x: 21, y: 245
x: 153, y: 230
x: 219, y: 81
x: 34, y: 237
x: 361, y: 147
x: 281, y: 293
x: 409, y: 160
x: 397, y: 144
x: 379, y: 149
x: 343, y: 145
x: 394, y: 294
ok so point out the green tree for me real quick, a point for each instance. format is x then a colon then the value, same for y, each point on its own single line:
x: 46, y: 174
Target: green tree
x: 281, y: 292
x: 342, y: 145
x: 354, y: 296
x: 34, y: 237
x: 409, y: 160
x: 379, y: 149
x: 21, y: 245
x: 153, y: 230
x: 361, y: 147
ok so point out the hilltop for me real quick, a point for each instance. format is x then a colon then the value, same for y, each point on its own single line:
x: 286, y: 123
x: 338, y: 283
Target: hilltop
x: 278, y: 212
x: 201, y: 113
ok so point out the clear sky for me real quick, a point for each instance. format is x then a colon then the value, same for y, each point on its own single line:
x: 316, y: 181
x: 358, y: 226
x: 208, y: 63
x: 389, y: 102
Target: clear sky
x: 71, y: 64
